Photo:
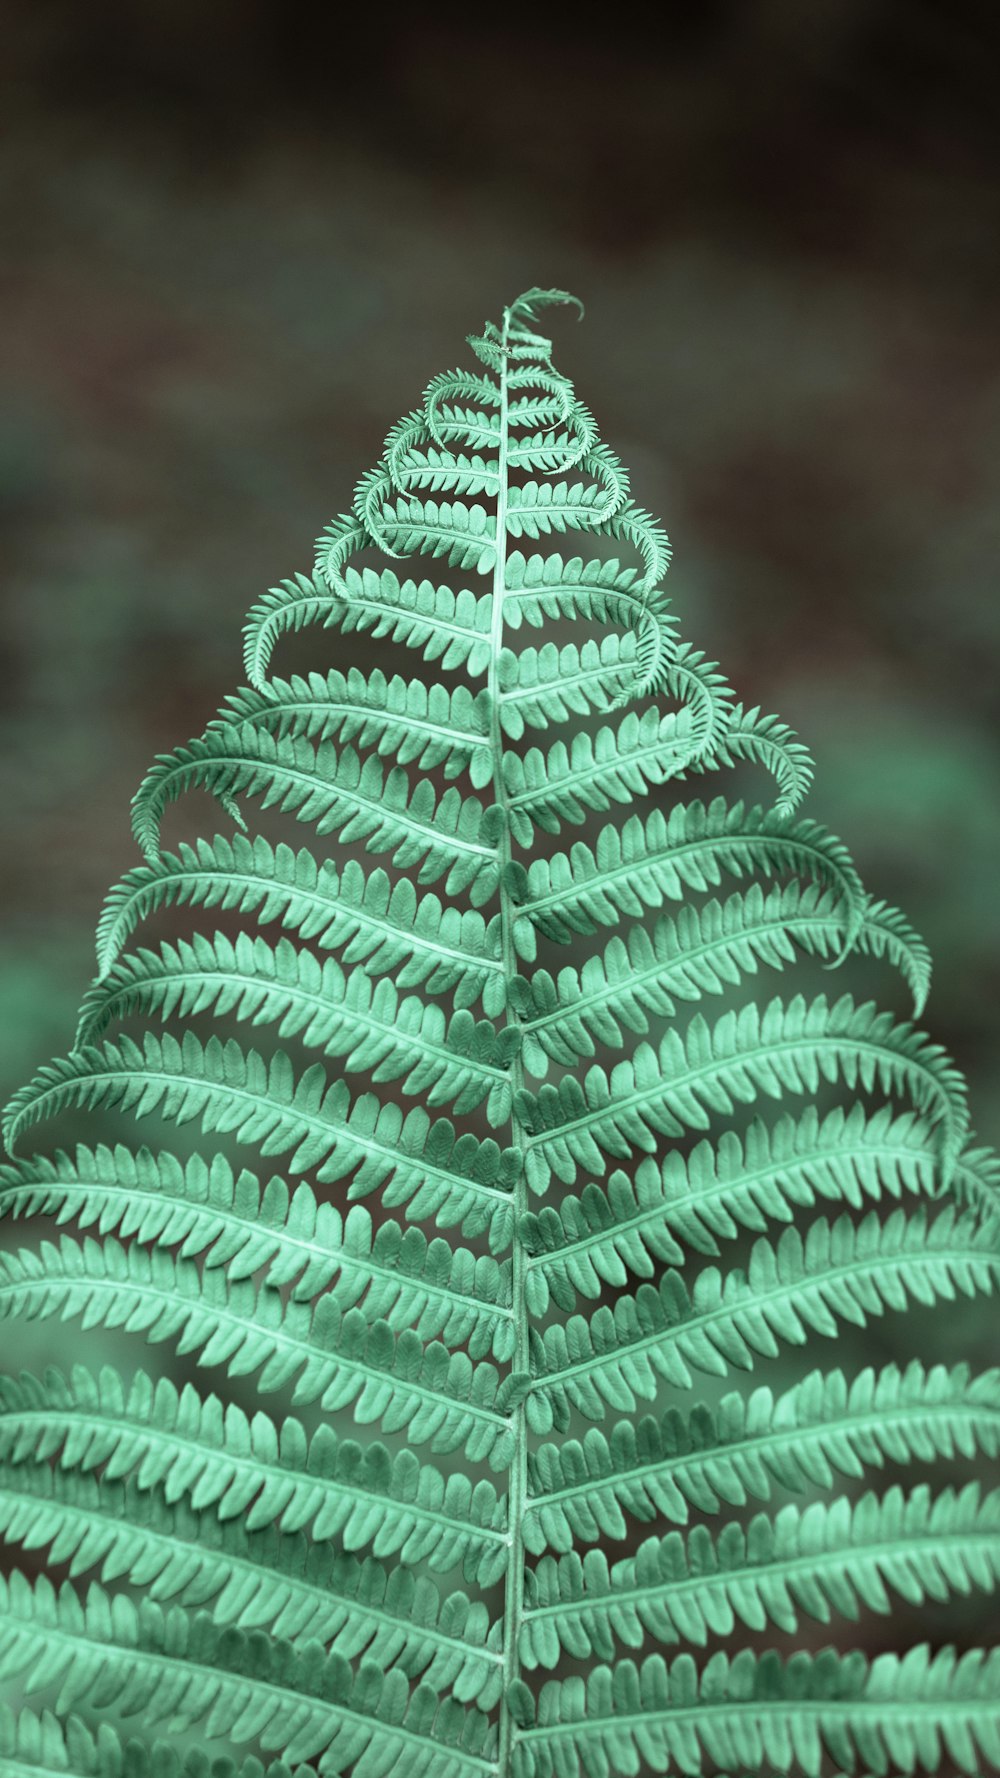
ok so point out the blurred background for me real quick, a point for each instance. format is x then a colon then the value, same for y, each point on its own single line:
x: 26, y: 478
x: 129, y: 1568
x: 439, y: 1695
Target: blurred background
x: 242, y: 237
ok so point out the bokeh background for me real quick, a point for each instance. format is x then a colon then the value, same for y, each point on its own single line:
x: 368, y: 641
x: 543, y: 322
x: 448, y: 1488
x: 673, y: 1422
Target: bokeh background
x: 242, y: 237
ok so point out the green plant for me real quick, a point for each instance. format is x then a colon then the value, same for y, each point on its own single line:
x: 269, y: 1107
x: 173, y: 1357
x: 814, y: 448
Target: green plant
x: 496, y: 1470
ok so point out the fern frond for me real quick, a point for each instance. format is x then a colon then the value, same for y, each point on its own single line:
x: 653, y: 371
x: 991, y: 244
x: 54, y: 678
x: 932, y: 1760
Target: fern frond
x: 544, y: 509
x: 375, y: 1594
x: 462, y: 536
x: 532, y: 376
x: 637, y: 527
x: 413, y: 465
x: 538, y: 588
x: 459, y: 386
x: 840, y: 1271
x: 566, y: 442
x: 247, y: 1467
x: 179, y: 1670
x: 302, y: 1591
x: 460, y: 1061
x: 747, y: 1710
x: 334, y: 550
x: 537, y: 297
x: 707, y: 1069
x: 684, y: 673
x: 750, y: 735
x: 977, y: 1181
x: 615, y: 765
x: 820, y: 1559
x: 387, y: 927
x: 451, y: 424
x: 289, y: 1239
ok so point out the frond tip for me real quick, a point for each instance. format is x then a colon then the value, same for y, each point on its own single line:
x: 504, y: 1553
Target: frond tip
x: 525, y: 305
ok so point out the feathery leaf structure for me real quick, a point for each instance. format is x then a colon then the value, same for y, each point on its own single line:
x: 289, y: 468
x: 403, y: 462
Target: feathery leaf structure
x: 497, y: 1142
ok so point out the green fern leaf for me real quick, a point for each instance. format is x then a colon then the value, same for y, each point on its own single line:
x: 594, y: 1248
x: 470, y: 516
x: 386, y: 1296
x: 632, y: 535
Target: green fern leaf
x: 821, y: 1560
x: 791, y: 1289
x: 490, y: 1202
x: 710, y: 1068
x: 540, y: 588
x: 285, y: 609
x: 42, y: 1745
x: 704, y: 951
x: 414, y: 723
x: 820, y: 1428
x: 642, y: 865
x: 638, y: 1221
x: 460, y: 1061
x: 385, y: 926
x: 338, y: 1358
x: 178, y: 1670
x: 303, y: 1591
x: 250, y: 1467
x: 289, y: 1239
x: 450, y: 836
x: 545, y: 790
x: 448, y: 626
x: 740, y: 1712
x: 541, y: 686
x: 263, y: 1104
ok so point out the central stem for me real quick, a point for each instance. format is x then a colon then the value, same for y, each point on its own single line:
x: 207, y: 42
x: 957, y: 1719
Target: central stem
x: 514, y: 1592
